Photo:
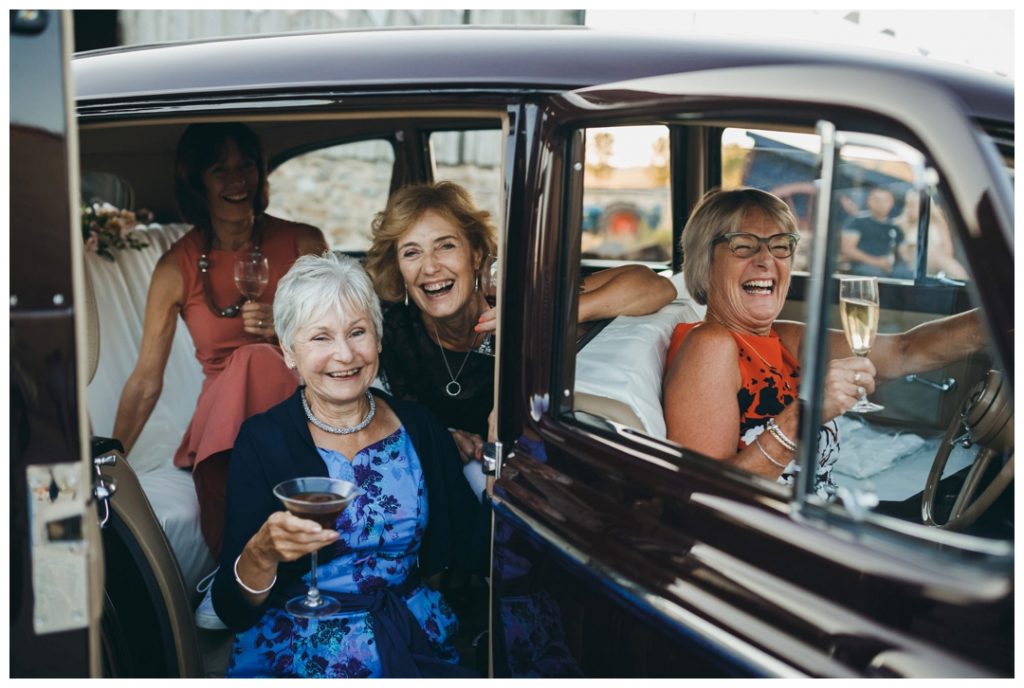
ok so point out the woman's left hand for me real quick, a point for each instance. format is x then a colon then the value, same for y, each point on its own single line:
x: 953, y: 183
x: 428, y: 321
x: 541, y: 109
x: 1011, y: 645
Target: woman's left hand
x: 470, y: 445
x: 258, y: 320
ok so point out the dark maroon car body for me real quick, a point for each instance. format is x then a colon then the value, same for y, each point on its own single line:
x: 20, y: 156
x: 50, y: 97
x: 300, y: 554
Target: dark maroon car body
x: 617, y: 554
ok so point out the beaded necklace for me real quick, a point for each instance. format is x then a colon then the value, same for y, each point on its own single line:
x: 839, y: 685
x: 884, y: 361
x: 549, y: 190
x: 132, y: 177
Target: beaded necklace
x: 234, y: 309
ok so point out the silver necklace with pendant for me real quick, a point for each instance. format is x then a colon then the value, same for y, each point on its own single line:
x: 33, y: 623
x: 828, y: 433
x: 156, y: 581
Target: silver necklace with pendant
x: 453, y: 388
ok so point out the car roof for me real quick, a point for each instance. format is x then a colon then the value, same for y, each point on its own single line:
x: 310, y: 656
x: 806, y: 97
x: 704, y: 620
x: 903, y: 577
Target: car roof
x: 468, y: 58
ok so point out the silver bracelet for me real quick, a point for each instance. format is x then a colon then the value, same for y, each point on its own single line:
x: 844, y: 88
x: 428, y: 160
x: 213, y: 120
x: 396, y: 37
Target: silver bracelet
x: 257, y: 592
x: 757, y: 443
x: 773, y: 428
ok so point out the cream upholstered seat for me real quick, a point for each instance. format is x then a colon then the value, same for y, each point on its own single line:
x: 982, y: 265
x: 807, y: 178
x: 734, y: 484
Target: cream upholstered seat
x: 619, y: 372
x: 120, y: 290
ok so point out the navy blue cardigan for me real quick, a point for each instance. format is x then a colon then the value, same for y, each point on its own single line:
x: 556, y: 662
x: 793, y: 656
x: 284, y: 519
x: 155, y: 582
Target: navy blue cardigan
x: 277, y: 445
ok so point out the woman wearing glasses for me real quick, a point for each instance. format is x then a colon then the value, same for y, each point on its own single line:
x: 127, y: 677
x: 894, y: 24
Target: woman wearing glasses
x: 731, y: 380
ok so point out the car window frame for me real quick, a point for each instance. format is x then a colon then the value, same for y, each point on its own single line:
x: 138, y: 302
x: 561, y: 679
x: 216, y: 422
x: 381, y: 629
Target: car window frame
x: 636, y: 445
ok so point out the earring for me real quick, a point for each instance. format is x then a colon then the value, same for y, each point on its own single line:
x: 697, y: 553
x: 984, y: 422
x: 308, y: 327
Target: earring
x: 407, y: 296
x: 476, y: 285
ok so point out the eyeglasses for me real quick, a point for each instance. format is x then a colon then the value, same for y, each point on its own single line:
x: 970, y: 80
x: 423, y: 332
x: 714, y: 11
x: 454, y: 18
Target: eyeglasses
x: 745, y: 245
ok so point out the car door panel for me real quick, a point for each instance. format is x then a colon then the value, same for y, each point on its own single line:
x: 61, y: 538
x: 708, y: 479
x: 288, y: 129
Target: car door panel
x: 744, y: 580
x: 56, y: 579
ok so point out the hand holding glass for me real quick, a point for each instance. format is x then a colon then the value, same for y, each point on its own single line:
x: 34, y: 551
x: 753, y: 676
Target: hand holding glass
x: 251, y: 276
x: 321, y: 500
x: 858, y: 308
x: 489, y: 280
x: 489, y: 288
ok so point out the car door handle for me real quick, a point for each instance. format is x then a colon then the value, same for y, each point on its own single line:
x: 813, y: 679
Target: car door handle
x: 947, y: 385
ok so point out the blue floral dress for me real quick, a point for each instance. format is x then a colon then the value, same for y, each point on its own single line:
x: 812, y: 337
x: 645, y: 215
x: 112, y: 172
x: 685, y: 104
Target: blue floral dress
x: 380, y: 538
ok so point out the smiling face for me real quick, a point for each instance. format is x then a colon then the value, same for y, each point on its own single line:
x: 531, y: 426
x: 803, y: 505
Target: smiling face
x: 232, y: 184
x: 438, y: 265
x: 337, y: 357
x: 748, y: 293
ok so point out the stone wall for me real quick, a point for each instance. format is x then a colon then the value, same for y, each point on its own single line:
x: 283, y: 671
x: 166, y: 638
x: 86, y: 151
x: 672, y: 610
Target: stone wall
x: 140, y: 27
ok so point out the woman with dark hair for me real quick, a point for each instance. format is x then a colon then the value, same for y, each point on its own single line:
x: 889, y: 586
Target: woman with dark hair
x: 221, y: 187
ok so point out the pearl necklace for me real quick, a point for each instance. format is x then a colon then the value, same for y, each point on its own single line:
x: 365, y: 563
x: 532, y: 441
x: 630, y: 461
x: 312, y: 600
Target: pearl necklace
x: 769, y: 366
x: 339, y: 431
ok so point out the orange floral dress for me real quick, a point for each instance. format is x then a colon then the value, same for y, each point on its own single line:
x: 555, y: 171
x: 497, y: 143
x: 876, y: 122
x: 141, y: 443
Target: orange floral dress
x: 770, y: 380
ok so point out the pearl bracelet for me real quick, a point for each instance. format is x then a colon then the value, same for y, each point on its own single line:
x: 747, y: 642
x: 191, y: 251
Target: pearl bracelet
x: 247, y: 588
x: 768, y: 456
x: 775, y: 431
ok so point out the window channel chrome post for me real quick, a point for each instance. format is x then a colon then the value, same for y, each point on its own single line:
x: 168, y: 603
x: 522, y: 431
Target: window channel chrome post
x: 818, y: 299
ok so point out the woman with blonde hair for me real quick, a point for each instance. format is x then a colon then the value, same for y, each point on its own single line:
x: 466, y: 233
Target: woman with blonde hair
x: 430, y: 245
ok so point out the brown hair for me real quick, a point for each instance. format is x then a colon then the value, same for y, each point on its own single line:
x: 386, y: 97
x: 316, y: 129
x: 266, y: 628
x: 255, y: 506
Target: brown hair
x: 200, y: 147
x: 405, y: 207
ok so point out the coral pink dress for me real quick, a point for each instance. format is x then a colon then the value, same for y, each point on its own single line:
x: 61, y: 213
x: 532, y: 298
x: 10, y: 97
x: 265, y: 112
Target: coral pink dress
x: 243, y: 376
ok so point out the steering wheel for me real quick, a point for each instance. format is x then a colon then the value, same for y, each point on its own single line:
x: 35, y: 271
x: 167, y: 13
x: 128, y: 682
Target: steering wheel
x: 986, y: 419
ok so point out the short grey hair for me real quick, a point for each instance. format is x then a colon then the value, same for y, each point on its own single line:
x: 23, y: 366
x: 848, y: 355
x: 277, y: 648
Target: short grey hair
x: 316, y: 284
x: 720, y: 212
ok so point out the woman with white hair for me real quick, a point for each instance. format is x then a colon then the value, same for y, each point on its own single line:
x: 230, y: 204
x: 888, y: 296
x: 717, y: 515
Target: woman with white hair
x: 414, y: 517
x: 731, y: 380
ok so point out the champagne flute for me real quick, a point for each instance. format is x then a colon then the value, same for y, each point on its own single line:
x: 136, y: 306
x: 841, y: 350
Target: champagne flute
x: 321, y: 500
x: 489, y: 288
x: 251, y: 276
x: 858, y: 308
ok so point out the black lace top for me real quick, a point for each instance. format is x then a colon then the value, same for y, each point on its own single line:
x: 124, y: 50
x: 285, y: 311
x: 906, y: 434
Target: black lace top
x: 412, y: 368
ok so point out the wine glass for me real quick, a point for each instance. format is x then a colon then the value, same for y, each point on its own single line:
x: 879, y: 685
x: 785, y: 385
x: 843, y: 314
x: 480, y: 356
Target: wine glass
x: 251, y: 276
x: 321, y: 500
x: 489, y: 288
x: 489, y: 280
x: 858, y: 308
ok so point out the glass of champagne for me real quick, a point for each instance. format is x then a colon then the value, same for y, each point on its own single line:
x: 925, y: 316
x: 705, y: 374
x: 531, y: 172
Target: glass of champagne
x: 321, y: 500
x: 251, y: 276
x: 858, y: 307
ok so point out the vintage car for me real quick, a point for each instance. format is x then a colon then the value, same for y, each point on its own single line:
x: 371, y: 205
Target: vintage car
x: 616, y: 552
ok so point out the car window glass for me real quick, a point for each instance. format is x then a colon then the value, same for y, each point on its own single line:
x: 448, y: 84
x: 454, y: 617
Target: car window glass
x: 472, y: 159
x: 929, y: 414
x: 104, y: 187
x: 338, y: 189
x: 627, y: 210
x: 881, y: 460
x: 781, y: 163
x: 785, y: 163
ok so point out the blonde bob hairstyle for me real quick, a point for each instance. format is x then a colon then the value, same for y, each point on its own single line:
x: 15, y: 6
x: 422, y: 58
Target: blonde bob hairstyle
x: 720, y: 212
x: 316, y: 284
x: 404, y: 209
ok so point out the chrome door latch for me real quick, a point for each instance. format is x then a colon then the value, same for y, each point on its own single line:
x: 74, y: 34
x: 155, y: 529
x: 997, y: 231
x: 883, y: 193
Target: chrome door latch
x: 492, y: 458
x: 105, y: 486
x: 947, y: 385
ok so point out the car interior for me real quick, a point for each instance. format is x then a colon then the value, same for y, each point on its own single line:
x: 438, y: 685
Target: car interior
x: 311, y: 160
x: 631, y: 209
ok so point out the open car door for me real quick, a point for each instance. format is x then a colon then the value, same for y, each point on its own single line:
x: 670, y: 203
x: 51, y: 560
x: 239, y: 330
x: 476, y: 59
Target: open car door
x: 618, y: 553
x: 56, y: 562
